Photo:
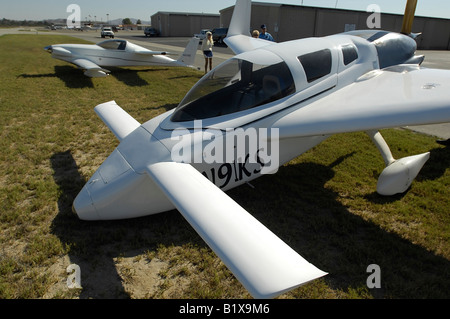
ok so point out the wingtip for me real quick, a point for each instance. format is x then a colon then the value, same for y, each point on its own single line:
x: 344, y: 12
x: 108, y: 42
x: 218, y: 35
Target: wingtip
x: 271, y: 293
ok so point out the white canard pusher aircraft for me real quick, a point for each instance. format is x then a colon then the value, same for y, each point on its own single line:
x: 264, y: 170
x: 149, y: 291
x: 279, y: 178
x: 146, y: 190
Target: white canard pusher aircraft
x: 292, y: 95
x: 92, y: 58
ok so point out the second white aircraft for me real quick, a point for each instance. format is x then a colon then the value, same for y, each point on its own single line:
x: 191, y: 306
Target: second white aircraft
x: 92, y: 58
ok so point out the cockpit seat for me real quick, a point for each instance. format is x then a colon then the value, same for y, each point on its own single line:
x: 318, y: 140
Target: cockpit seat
x: 271, y: 87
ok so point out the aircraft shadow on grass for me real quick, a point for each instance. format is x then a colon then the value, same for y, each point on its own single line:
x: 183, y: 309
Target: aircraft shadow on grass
x: 75, y: 79
x: 93, y: 246
x: 165, y: 107
x: 437, y: 164
x: 307, y: 216
x: 72, y: 77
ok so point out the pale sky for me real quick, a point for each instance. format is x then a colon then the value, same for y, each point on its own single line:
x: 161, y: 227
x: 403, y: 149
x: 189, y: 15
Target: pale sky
x: 144, y: 9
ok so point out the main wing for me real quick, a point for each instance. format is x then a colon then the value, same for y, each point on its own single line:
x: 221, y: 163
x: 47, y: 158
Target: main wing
x: 149, y: 52
x: 262, y: 262
x: 397, y: 96
x: 91, y: 69
x: 241, y: 43
x: 118, y: 121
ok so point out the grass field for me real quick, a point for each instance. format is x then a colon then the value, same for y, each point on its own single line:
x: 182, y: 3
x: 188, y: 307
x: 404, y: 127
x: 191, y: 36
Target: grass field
x: 323, y: 203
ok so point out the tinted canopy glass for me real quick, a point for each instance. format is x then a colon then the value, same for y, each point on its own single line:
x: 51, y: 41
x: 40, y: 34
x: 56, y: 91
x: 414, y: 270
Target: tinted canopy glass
x: 316, y: 64
x: 349, y: 53
x: 113, y: 44
x: 235, y: 86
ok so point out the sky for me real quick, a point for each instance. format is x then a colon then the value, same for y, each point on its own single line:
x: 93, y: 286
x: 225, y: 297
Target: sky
x: 144, y: 9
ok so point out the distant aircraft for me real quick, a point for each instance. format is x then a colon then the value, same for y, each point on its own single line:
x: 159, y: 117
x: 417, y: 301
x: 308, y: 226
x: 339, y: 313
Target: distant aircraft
x: 92, y: 58
x: 289, y: 97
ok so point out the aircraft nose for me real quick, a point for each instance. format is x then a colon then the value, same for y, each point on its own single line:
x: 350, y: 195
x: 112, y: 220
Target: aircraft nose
x: 83, y: 206
x: 49, y: 49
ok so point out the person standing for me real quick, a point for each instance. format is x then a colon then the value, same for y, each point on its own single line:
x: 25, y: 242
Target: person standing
x: 264, y: 34
x: 207, y: 46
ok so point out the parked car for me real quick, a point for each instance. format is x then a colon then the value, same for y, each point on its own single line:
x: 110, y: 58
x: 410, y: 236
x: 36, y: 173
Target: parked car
x: 107, y: 32
x: 202, y: 34
x: 219, y: 34
x: 151, y: 32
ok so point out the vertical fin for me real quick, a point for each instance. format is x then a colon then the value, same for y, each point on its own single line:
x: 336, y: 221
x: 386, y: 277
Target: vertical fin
x: 188, y: 55
x: 240, y: 21
x: 238, y: 37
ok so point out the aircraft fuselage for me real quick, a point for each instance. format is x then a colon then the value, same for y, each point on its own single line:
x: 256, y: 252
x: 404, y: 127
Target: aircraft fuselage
x: 198, y: 134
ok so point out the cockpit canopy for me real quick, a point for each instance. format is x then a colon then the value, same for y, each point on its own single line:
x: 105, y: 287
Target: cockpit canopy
x: 234, y: 86
x: 113, y: 44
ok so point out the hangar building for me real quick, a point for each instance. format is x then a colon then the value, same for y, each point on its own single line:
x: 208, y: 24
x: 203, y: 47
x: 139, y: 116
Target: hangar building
x: 183, y: 24
x: 288, y: 22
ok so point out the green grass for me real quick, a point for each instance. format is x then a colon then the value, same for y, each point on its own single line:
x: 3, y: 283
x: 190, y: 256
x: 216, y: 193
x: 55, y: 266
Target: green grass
x: 323, y: 203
